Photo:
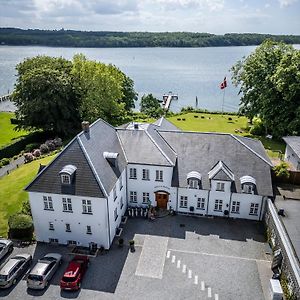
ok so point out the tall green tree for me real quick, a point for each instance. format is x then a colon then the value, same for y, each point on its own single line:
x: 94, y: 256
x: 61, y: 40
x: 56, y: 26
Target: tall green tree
x: 150, y: 106
x: 45, y: 96
x: 269, y: 81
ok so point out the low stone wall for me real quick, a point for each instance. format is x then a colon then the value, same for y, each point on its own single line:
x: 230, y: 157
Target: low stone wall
x: 279, y: 239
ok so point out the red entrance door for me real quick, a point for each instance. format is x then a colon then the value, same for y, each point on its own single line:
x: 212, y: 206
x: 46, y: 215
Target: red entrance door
x: 162, y: 199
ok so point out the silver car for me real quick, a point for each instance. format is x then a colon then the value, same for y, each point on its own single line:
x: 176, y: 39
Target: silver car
x: 43, y: 271
x: 6, y: 246
x: 13, y: 269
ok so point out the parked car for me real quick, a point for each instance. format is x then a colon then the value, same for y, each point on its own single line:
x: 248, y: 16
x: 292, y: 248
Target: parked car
x: 74, y: 273
x: 6, y: 246
x: 13, y: 269
x: 43, y: 271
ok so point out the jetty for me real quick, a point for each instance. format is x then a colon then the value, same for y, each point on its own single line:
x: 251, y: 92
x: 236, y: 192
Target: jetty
x: 167, y: 99
x: 5, y: 98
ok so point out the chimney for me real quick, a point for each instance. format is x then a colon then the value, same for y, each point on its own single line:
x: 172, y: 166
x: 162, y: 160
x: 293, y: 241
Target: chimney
x: 85, y: 126
x: 136, y: 126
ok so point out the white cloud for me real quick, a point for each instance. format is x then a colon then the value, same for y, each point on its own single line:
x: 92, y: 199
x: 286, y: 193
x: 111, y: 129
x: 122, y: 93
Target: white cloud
x: 284, y: 3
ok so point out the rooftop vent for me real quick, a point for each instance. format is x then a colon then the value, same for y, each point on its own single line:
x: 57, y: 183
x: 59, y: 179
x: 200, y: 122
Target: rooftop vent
x: 85, y: 126
x: 111, y: 157
x: 136, y: 126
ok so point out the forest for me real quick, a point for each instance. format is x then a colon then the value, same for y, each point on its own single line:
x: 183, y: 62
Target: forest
x: 102, y: 39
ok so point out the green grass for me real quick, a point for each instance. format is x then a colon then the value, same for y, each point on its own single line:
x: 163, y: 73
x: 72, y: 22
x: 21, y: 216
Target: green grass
x: 11, y: 190
x: 221, y: 123
x: 10, y: 134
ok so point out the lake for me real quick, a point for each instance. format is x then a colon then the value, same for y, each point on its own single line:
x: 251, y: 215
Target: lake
x: 188, y: 72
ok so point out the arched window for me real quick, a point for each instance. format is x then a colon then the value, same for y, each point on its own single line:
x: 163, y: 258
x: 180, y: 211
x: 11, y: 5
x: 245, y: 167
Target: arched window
x: 248, y: 184
x: 194, y: 180
x: 67, y: 174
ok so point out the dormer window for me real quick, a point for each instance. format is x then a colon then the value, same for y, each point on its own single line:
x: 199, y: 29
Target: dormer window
x: 248, y: 184
x: 194, y: 180
x: 67, y: 174
x: 220, y: 186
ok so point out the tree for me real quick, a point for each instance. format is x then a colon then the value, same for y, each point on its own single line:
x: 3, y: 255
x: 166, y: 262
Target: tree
x: 269, y: 81
x: 129, y: 94
x: 150, y: 106
x: 45, y: 96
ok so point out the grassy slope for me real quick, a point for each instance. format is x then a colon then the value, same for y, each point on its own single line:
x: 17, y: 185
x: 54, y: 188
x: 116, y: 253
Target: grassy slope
x: 11, y: 190
x: 8, y: 128
x: 219, y: 123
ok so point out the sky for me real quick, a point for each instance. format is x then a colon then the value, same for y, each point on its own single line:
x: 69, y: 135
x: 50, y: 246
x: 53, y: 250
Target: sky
x: 213, y: 16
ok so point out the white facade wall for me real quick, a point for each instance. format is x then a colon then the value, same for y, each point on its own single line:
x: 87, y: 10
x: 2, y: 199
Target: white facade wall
x: 115, y: 203
x: 193, y: 195
x: 216, y: 195
x: 78, y: 221
x: 245, y: 203
x: 151, y: 186
x: 292, y: 157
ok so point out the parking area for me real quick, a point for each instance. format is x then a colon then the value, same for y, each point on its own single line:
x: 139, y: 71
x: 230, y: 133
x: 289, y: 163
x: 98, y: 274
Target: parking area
x: 176, y: 257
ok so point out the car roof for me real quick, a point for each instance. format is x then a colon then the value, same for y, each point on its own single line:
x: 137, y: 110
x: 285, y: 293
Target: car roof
x: 8, y: 266
x: 39, y: 268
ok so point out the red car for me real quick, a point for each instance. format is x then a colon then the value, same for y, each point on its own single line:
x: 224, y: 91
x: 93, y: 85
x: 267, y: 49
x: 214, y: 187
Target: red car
x: 74, y: 273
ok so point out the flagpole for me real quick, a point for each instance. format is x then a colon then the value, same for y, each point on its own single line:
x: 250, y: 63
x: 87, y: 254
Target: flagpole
x: 223, y: 101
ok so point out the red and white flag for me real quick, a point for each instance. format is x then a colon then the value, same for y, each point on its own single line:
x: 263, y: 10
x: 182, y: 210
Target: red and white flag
x: 223, y: 84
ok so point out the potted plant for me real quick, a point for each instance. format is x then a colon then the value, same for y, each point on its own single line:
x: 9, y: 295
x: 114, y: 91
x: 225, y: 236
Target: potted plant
x: 131, y: 245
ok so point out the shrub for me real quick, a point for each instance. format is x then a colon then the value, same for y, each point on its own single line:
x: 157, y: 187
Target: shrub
x: 258, y: 127
x: 57, y: 142
x: 28, y: 157
x: 230, y: 119
x: 196, y: 116
x: 44, y: 148
x: 31, y: 147
x: 26, y: 210
x: 281, y: 170
x: 20, y: 227
x: 37, y: 153
x: 4, y: 162
x: 50, y: 144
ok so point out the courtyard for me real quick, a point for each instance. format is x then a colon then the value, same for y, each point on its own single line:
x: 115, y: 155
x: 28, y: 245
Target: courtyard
x: 176, y: 257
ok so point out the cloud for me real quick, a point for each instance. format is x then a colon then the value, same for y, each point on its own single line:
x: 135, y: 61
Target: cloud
x: 285, y: 3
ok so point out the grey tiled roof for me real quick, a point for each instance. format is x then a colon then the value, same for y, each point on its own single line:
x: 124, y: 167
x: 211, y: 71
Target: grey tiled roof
x: 294, y: 143
x: 84, y: 182
x: 201, y: 151
x: 141, y: 149
x: 164, y: 124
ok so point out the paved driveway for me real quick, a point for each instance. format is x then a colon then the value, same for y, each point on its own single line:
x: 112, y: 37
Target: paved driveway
x: 176, y: 258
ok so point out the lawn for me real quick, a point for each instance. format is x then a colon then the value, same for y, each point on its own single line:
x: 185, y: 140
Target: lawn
x: 5, y: 126
x: 11, y: 190
x: 221, y: 123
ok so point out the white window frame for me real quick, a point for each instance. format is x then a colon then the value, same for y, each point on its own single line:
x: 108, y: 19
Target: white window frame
x: 201, y: 203
x: 65, y: 179
x: 146, y: 174
x: 193, y: 183
x: 218, y: 205
x: 68, y: 227
x: 183, y: 202
x: 116, y: 214
x: 254, y: 209
x: 53, y: 240
x: 48, y: 203
x: 146, y: 197
x: 67, y: 205
x: 132, y: 173
x: 133, y: 197
x: 220, y: 186
x: 87, y: 206
x: 88, y: 229
x: 159, y: 175
x: 235, y: 208
x: 248, y: 188
x: 51, y: 226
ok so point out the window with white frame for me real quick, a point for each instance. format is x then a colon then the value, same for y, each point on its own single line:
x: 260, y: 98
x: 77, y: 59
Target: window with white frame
x: 248, y: 188
x: 121, y: 203
x: 254, y: 209
x: 51, y: 240
x: 65, y: 179
x: 132, y: 173
x: 220, y: 186
x: 235, y: 208
x: 71, y: 242
x: 114, y: 193
x: 159, y: 175
x: 51, y: 226
x: 201, y: 203
x: 88, y: 229
x: 67, y: 204
x: 146, y: 197
x: 86, y: 206
x: 121, y: 182
x: 116, y: 214
x: 48, y: 203
x: 193, y: 183
x: 218, y: 205
x: 68, y: 227
x: 133, y: 197
x: 146, y: 174
x: 183, y: 201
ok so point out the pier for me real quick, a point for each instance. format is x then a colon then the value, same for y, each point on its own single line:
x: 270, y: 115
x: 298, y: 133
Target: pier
x: 5, y: 98
x: 167, y: 99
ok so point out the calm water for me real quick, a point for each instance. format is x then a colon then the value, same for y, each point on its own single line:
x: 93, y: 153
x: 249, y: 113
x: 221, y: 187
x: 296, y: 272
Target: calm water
x: 189, y: 72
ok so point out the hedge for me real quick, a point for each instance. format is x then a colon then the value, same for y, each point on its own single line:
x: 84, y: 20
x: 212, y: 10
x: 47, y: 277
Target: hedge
x: 20, y: 227
x: 18, y: 146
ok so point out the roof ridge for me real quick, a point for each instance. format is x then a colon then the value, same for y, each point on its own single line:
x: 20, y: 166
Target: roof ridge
x: 157, y: 146
x: 158, y: 132
x: 91, y: 165
x: 195, y: 132
x: 249, y: 148
x: 121, y: 144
